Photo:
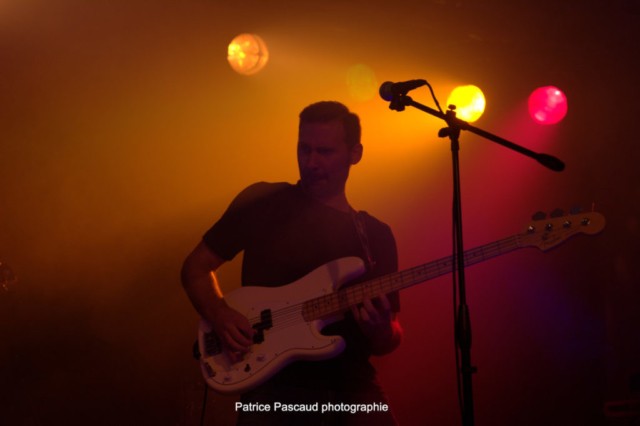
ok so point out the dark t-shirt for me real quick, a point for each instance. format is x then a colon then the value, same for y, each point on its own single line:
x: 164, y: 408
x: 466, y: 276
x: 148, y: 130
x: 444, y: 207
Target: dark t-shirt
x: 285, y: 234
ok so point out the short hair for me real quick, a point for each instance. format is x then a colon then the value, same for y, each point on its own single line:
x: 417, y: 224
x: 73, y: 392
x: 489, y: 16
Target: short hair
x: 327, y: 111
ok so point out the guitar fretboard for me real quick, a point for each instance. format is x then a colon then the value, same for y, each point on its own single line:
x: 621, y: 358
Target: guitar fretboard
x: 341, y: 300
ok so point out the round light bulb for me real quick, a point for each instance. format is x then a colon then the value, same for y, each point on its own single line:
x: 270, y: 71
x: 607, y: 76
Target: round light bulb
x: 547, y: 105
x: 247, y: 54
x: 469, y: 102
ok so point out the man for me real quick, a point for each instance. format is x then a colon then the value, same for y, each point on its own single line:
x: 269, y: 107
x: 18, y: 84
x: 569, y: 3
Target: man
x: 286, y: 231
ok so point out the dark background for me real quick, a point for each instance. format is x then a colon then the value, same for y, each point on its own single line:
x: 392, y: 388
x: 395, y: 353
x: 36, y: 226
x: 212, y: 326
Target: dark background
x: 124, y: 134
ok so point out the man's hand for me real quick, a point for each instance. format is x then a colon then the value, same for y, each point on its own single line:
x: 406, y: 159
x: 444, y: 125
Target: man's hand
x: 199, y: 281
x: 379, y: 324
x: 234, y: 331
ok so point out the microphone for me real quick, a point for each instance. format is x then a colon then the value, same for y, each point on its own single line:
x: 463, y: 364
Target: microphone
x: 389, y: 89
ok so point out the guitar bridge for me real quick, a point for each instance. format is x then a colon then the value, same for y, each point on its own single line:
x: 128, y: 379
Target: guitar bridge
x: 212, y: 344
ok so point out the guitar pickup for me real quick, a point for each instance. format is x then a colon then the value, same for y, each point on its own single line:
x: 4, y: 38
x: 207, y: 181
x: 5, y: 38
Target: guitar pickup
x: 265, y: 319
x: 264, y: 324
x: 258, y: 337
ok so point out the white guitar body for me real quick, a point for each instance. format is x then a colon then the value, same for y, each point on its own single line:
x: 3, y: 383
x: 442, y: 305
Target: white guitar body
x: 287, y: 336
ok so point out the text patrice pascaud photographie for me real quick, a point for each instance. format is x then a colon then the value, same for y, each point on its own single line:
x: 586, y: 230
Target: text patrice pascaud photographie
x: 324, y: 408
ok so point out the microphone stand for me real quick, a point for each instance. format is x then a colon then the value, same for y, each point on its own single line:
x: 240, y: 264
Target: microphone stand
x: 463, y: 324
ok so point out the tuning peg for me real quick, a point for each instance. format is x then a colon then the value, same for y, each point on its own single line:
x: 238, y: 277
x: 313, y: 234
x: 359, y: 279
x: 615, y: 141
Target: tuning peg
x: 539, y: 216
x: 557, y: 213
x: 576, y: 210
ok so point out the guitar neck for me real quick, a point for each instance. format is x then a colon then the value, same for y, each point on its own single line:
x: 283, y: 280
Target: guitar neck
x: 340, y: 301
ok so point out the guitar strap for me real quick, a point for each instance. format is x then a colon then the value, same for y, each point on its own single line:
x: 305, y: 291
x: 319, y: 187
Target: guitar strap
x: 358, y: 222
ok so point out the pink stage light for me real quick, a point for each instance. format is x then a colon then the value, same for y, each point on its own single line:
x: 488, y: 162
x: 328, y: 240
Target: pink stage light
x: 547, y: 105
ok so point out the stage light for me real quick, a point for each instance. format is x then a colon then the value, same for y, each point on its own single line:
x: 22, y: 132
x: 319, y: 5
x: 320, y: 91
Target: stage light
x: 362, y: 82
x: 469, y: 102
x: 247, y: 54
x: 547, y: 105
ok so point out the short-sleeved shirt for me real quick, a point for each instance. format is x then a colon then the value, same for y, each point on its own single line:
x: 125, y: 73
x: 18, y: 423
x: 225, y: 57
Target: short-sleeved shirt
x: 285, y: 234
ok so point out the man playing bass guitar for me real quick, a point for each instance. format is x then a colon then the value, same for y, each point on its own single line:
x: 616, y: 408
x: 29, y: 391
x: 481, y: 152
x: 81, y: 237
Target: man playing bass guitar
x: 287, y: 231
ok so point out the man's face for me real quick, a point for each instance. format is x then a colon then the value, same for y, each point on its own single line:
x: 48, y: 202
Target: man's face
x: 324, y: 159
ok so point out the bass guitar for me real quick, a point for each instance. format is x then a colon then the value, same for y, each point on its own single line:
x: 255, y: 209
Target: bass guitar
x: 289, y: 319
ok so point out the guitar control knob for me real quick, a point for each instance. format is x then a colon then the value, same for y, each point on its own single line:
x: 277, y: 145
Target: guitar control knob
x: 261, y: 357
x: 567, y: 224
x: 549, y: 227
x: 247, y: 368
x: 227, y: 377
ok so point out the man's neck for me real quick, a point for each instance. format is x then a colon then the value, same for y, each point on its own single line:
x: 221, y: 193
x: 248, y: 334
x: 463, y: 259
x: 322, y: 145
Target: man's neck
x: 338, y: 202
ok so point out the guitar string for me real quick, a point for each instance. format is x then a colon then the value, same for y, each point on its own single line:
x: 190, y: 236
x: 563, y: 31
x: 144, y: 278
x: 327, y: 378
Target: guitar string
x: 386, y: 284
x: 383, y: 285
x: 296, y: 317
x: 289, y: 316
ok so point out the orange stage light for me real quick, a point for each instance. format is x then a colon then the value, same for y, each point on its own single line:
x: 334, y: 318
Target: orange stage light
x: 247, y: 54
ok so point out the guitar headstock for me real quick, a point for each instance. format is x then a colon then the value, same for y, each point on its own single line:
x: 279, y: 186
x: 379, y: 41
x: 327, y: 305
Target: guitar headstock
x: 550, y: 232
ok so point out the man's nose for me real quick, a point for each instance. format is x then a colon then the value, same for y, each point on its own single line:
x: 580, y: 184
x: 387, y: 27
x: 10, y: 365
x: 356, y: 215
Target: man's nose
x: 313, y: 160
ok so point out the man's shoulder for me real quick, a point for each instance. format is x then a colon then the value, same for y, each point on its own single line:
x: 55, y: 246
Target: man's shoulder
x: 374, y: 223
x: 263, y: 191
x: 268, y: 187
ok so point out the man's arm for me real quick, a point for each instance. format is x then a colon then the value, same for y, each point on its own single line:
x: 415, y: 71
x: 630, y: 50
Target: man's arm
x: 199, y: 281
x: 379, y: 324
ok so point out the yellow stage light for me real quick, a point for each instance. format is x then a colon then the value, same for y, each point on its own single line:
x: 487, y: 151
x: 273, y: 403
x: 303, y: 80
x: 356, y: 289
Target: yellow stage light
x: 469, y: 102
x: 247, y: 54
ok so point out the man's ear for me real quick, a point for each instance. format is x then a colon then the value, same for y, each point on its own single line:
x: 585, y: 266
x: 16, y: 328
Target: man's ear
x: 356, y: 154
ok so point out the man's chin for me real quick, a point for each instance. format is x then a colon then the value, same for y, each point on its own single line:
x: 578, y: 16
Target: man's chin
x: 316, y: 188
x: 314, y: 183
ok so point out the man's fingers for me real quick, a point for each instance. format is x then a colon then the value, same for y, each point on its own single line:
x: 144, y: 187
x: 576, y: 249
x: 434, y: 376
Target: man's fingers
x: 364, y: 314
x: 386, y: 305
x: 372, y: 313
x: 360, y: 314
x: 368, y: 304
x: 355, y: 312
x: 247, y: 331
x: 235, y: 332
x: 243, y: 323
x: 237, y: 340
x: 232, y: 344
